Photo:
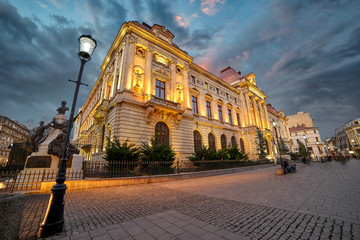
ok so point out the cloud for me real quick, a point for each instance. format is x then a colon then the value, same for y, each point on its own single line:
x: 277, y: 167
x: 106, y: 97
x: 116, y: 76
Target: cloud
x: 210, y: 7
x: 36, y: 63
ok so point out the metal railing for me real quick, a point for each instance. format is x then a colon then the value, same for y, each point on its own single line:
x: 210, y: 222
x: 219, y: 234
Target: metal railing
x: 20, y: 180
x: 27, y: 180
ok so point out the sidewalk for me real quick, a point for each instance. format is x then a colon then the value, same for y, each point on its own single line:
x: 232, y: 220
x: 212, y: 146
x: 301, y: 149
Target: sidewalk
x: 233, y: 206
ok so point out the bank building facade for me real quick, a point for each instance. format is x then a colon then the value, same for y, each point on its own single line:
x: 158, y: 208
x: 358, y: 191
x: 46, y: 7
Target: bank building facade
x: 148, y: 86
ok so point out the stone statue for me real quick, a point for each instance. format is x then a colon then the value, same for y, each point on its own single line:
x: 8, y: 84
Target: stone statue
x: 138, y: 79
x: 38, y: 136
x: 56, y: 146
x: 63, y: 108
x: 179, y: 93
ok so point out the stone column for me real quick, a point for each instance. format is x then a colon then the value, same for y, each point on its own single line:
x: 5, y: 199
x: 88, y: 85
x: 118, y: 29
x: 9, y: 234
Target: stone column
x: 249, y: 111
x: 130, y: 66
x: 244, y: 110
x: 115, y: 80
x: 124, y: 62
x: 261, y: 113
x: 103, y: 87
x: 121, y: 68
x: 147, y: 80
x: 173, y: 81
x: 256, y: 115
x: 266, y: 115
x: 186, y: 88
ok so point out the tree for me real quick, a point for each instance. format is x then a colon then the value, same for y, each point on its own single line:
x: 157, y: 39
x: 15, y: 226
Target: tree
x: 121, y: 156
x: 284, y: 149
x: 261, y: 144
x: 157, y: 158
x: 302, y: 149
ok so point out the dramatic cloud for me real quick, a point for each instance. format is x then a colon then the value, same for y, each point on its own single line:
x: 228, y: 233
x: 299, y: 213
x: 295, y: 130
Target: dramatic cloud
x: 210, y: 7
x: 305, y: 54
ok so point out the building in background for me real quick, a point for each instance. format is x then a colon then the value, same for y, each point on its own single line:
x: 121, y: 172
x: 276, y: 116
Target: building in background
x: 10, y: 132
x: 301, y: 127
x: 149, y: 87
x: 352, y: 130
x: 341, y: 144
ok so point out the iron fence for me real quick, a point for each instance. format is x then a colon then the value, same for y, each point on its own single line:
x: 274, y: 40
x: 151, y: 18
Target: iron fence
x: 27, y: 180
x: 20, y: 180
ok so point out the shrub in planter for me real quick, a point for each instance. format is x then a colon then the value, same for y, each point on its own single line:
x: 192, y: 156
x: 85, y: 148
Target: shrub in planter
x: 122, y: 157
x: 157, y: 158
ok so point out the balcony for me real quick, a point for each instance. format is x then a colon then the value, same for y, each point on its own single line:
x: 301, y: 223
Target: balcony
x: 156, y: 104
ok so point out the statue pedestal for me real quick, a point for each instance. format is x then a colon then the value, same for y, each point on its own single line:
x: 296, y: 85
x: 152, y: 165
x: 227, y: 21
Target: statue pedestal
x: 41, y: 160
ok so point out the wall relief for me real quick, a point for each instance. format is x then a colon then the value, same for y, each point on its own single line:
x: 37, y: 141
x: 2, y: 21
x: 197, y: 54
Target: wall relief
x: 138, y: 78
x: 179, y: 92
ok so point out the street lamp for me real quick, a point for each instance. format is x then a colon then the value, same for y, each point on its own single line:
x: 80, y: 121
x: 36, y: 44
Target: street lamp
x: 54, y: 218
x: 278, y: 145
x: 305, y: 144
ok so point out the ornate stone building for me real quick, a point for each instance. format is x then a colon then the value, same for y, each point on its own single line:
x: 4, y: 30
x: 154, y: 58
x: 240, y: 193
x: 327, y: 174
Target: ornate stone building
x: 10, y: 132
x: 352, y: 130
x: 302, y: 128
x: 148, y: 86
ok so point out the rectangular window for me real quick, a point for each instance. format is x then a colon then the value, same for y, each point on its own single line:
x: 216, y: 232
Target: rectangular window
x: 160, y: 89
x: 229, y: 115
x: 192, y: 79
x: 314, y: 131
x: 206, y: 86
x: 194, y: 104
x: 208, y: 109
x: 220, y: 113
x: 317, y: 139
x: 217, y: 91
x: 238, y: 119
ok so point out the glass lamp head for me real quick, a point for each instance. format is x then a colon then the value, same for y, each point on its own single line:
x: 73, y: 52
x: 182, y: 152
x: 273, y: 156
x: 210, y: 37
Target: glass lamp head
x: 87, y: 46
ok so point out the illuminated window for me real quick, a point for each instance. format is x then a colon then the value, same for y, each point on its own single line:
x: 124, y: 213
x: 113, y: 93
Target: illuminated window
x: 223, y: 141
x: 220, y: 113
x: 242, y: 145
x: 229, y: 115
x: 162, y: 133
x: 160, y: 89
x: 233, y: 141
x: 238, y: 119
x: 197, y: 140
x: 194, y: 105
x: 211, y: 139
x: 208, y: 109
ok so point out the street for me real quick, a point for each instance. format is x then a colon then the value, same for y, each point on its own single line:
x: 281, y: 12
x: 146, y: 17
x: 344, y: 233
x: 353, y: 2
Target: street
x: 320, y: 201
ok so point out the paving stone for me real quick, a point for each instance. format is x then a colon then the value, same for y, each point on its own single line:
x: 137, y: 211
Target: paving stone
x: 298, y: 211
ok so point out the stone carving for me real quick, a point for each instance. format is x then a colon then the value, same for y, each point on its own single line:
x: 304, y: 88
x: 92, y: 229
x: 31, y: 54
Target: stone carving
x: 138, y: 79
x: 63, y: 108
x: 56, y: 146
x: 179, y: 92
x: 38, y: 135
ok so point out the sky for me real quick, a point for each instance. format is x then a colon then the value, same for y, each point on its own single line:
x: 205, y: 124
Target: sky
x: 305, y: 53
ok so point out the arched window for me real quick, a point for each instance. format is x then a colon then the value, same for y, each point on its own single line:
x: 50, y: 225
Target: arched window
x: 223, y: 141
x: 233, y: 141
x: 102, y: 138
x: 162, y: 133
x: 211, y: 139
x: 197, y: 140
x: 242, y: 145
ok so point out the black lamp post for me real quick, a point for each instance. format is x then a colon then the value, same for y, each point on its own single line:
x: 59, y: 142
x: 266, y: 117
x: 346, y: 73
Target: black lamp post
x: 305, y: 144
x: 278, y: 145
x: 54, y: 218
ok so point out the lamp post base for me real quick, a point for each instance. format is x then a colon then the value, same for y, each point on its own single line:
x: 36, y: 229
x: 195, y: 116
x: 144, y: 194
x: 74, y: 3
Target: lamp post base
x: 54, y: 218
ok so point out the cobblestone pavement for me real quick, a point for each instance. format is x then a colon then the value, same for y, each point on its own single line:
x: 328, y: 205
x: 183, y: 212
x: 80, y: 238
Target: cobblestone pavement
x: 320, y: 201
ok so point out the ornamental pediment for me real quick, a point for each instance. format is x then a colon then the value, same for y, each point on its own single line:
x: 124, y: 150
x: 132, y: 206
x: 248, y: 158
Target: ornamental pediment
x: 161, y: 72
